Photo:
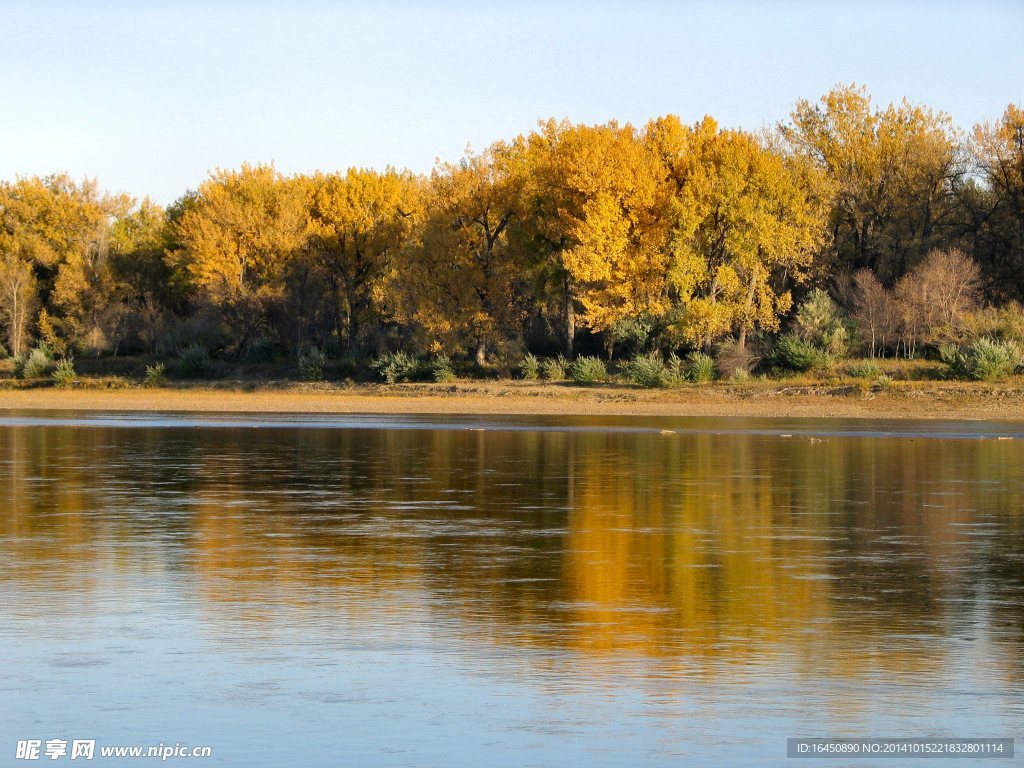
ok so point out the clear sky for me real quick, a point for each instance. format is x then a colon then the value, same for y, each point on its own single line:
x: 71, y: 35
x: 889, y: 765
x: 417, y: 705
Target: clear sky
x: 148, y: 97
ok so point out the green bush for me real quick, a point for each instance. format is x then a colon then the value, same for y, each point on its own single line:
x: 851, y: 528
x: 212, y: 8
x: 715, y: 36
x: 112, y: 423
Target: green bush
x: 820, y: 322
x: 553, y: 368
x: 866, y: 370
x: 312, y: 364
x: 4, y: 354
x: 397, y: 366
x: 263, y: 350
x: 34, y: 365
x: 64, y: 373
x: 195, y: 361
x: 984, y: 360
x: 441, y: 369
x: 154, y: 375
x: 588, y: 370
x: 529, y: 368
x: 994, y: 359
x: 651, y: 371
x: 954, y: 359
x: 796, y: 354
x: 700, y: 368
x: 634, y: 333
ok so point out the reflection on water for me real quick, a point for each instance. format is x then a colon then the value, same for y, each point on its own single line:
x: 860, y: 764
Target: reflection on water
x: 506, y: 597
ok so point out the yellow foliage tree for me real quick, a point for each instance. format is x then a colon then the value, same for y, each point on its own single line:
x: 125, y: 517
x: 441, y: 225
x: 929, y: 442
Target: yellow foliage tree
x: 998, y: 151
x: 62, y: 228
x: 18, y: 297
x: 238, y: 235
x: 602, y: 199
x: 893, y: 171
x: 358, y: 222
x: 747, y: 219
x: 463, y: 280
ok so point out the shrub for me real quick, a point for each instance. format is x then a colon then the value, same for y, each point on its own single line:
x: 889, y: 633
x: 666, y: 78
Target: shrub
x: 263, y: 350
x: 36, y: 364
x: 311, y: 365
x: 529, y: 368
x: 64, y: 373
x: 397, y: 366
x: 866, y: 370
x: 820, y: 322
x: 883, y: 382
x: 993, y: 359
x: 984, y: 360
x: 194, y: 360
x: 441, y: 368
x: 634, y: 333
x: 954, y: 359
x: 796, y: 354
x: 4, y: 354
x: 700, y: 368
x: 729, y: 356
x: 588, y: 370
x: 553, y: 368
x: 739, y: 375
x: 651, y: 371
x: 154, y: 375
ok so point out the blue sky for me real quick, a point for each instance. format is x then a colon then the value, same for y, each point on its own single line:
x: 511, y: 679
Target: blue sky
x: 148, y: 97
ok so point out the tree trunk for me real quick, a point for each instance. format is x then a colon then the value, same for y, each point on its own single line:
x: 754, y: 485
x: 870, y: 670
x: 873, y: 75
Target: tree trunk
x: 481, y: 352
x: 353, y: 327
x: 741, y: 342
x: 570, y: 320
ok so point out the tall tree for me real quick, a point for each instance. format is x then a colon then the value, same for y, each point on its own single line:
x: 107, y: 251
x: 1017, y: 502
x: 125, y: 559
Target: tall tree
x: 748, y: 221
x: 238, y: 235
x: 463, y: 279
x: 62, y: 228
x: 18, y: 298
x: 359, y: 221
x: 894, y: 172
x: 998, y: 206
x: 145, y: 284
x: 599, y: 211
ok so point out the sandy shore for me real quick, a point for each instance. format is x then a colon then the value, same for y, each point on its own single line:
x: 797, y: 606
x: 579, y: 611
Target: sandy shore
x: 931, y: 401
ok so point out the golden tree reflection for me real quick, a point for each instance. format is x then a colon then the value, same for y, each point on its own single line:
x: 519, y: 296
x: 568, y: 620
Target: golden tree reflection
x: 705, y: 552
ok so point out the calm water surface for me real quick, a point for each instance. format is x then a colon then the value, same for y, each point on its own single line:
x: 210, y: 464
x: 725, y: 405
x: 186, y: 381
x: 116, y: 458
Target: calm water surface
x: 501, y: 592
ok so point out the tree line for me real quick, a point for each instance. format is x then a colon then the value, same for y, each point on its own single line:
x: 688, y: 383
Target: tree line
x: 602, y: 238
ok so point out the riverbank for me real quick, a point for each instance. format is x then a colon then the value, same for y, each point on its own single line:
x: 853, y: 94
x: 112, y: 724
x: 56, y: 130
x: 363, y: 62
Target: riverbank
x: 909, y: 400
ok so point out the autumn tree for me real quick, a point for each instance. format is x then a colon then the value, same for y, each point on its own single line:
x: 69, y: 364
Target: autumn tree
x: 462, y: 280
x: 894, y: 172
x: 358, y: 222
x: 62, y: 229
x: 18, y: 298
x: 934, y: 299
x: 747, y: 221
x: 150, y: 297
x: 599, y: 201
x: 874, y: 310
x: 238, y: 235
x: 996, y: 207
